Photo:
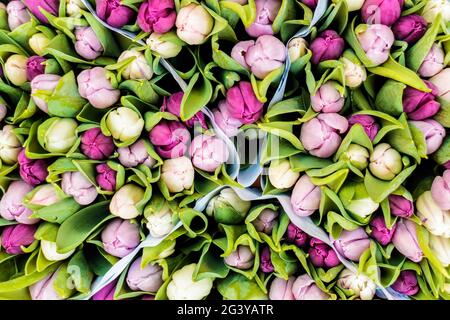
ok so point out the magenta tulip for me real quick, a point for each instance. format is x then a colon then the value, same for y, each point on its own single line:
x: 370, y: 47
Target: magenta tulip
x: 400, y: 206
x: 35, y: 66
x: 296, y: 235
x: 106, y: 177
x: 107, y: 292
x: 369, y: 124
x: 15, y: 236
x: 266, y: 265
x: 242, y: 103
x: 312, y: 4
x: 329, y: 45
x: 170, y: 139
x: 35, y: 6
x: 406, y: 283
x: 157, y: 16
x: 114, y: 13
x: 410, y: 28
x: 322, y: 255
x: 420, y: 105
x: 380, y: 232
x: 95, y: 145
x: 33, y: 172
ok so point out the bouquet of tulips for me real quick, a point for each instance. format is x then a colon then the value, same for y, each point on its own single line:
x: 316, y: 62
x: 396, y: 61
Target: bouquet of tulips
x: 225, y: 149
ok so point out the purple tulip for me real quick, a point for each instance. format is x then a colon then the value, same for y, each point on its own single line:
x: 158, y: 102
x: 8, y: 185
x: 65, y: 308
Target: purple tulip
x: 135, y: 155
x: 16, y: 236
x: 157, y: 16
x: 410, y: 28
x: 305, y: 197
x: 327, y: 98
x: 172, y: 104
x: 147, y: 279
x: 113, y: 12
x: 170, y: 139
x: 95, y: 145
x: 304, y: 288
x: 433, y: 133
x: 446, y: 165
x: 420, y: 105
x: 17, y: 14
x: 266, y: 265
x: 43, y: 82
x: 241, y: 258
x: 87, y: 44
x: 11, y: 204
x: 297, y: 236
x: 265, y: 221
x: 369, y: 124
x: 312, y: 4
x: 106, y: 177
x: 281, y: 289
x: 35, y: 6
x: 75, y: 184
x: 95, y: 86
x: 242, y: 103
x: 229, y: 125
x: 329, y: 45
x: 380, y: 231
x: 266, y: 12
x: 400, y: 206
x: 440, y: 190
x: 321, y: 135
x: 107, y: 292
x: 381, y: 11
x: 322, y: 255
x: 433, y: 62
x: 33, y: 172
x: 406, y: 283
x: 376, y: 41
x: 405, y: 240
x: 208, y: 153
x: 352, y: 243
x: 35, y: 66
x: 120, y: 237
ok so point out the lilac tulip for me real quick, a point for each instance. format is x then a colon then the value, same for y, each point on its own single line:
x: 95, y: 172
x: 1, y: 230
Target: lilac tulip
x: 376, y: 40
x: 35, y: 66
x: 322, y: 255
x: 157, y: 16
x: 371, y: 127
x: 135, y: 155
x: 400, y: 206
x: 440, y: 190
x: 106, y: 177
x: 17, y: 14
x: 120, y: 237
x: 33, y: 172
x: 352, y: 243
x: 87, y: 44
x: 329, y: 45
x: 95, y: 145
x: 296, y: 236
x: 11, y: 203
x: 312, y: 4
x: 229, y: 125
x: 114, y: 13
x: 265, y: 221
x: 266, y: 12
x: 420, y: 105
x: 433, y: 133
x: 44, y: 83
x: 98, y: 86
x: 266, y: 265
x: 147, y: 279
x: 170, y: 139
x: 433, y: 62
x: 172, y: 104
x: 304, y: 288
x: 405, y: 240
x: 380, y: 231
x: 410, y: 28
x: 35, y: 6
x: 242, y: 103
x: 381, y: 11
x: 15, y: 236
x: 45, y: 289
x: 281, y: 289
x: 406, y: 283
x: 241, y: 258
x: 327, y: 98
x: 305, y: 197
x: 75, y: 184
x: 208, y: 152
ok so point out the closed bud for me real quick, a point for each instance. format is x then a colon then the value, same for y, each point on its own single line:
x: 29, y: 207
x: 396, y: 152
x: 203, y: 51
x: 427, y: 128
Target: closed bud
x: 434, y: 219
x: 305, y: 197
x: 138, y: 68
x: 16, y: 69
x: 304, y: 288
x: 360, y: 285
x: 177, y: 174
x: 385, y: 162
x: 147, y: 279
x: 242, y: 258
x: 184, y: 287
x: 75, y: 184
x: 38, y: 42
x: 124, y: 201
x: 352, y: 243
x: 227, y: 207
x: 281, y: 175
x: 165, y: 48
x: 120, y: 237
x: 10, y: 145
x: 194, y: 24
x: 59, y: 134
x: 125, y: 124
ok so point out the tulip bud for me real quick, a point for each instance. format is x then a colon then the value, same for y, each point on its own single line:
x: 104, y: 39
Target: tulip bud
x: 433, y: 133
x: 385, y: 162
x: 60, y: 134
x: 184, y: 287
x: 265, y: 221
x: 106, y: 177
x: 381, y: 11
x: 322, y: 255
x: 446, y: 165
x: 296, y: 235
x: 87, y: 44
x: 135, y: 155
x: 173, y: 105
x: 420, y: 105
x: 410, y: 28
x: 10, y: 145
x: 120, y: 237
x: 34, y: 67
x: 16, y: 236
x: 434, y: 219
x: 266, y: 55
x: 35, y: 6
x: 320, y: 135
x: 352, y: 243
x: 304, y: 288
x: 380, y: 232
x: 242, y: 103
x: 124, y: 201
x: 107, y: 292
x: 99, y: 87
x: 208, y: 152
x: 400, y: 206
x: 433, y: 8
x: 266, y: 12
x: 305, y: 197
x: 166, y: 49
x: 229, y: 125
x: 50, y: 251
x: 113, y: 12
x: 327, y: 46
x: 266, y: 265
x: 376, y: 40
x: 138, y: 68
x: 177, y: 174
x: 16, y: 69
x: 356, y: 199
x: 354, y: 5
x: 17, y: 14
x: 75, y: 184
x: 44, y: 195
x: 433, y: 62
x: 239, y: 52
x: 297, y: 48
x: 159, y: 220
x: 11, y: 204
x: 74, y: 7
x: 354, y: 73
x: 157, y: 16
x: 440, y: 190
x: 147, y: 279
x: 242, y: 258
x: 43, y: 84
x: 406, y: 283
x: 281, y: 289
x: 33, y: 172
x: 124, y: 124
x: 194, y: 24
x: 170, y: 138
x: 280, y: 174
x: 367, y: 122
x: 95, y: 145
x: 360, y: 285
x: 312, y: 4
x: 38, y: 42
x: 327, y: 98
x: 440, y: 246
x: 227, y: 207
x: 405, y: 240
x: 357, y: 155
x: 3, y: 111
x: 442, y: 83
x: 45, y: 289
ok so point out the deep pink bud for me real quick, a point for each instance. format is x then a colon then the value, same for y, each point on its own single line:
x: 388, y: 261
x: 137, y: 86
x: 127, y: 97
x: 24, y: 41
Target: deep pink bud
x: 113, y: 12
x: 170, y: 139
x: 107, y: 292
x: 33, y: 172
x: 410, y: 28
x: 312, y: 4
x: 172, y: 104
x: 322, y: 255
x: 380, y: 231
x: 406, y: 283
x: 433, y: 133
x: 352, y: 243
x: 106, y: 177
x: 420, y: 105
x: 369, y: 124
x: 381, y: 11
x: 95, y: 145
x: 266, y: 265
x: 157, y: 16
x: 242, y: 103
x: 446, y: 165
x: 15, y: 236
x: 400, y: 206
x: 35, y: 66
x: 296, y: 235
x: 327, y: 46
x: 51, y: 6
x: 266, y: 12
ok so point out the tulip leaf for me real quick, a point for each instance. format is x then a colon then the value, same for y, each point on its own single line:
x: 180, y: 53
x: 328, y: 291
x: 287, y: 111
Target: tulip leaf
x: 65, y: 100
x: 260, y: 87
x: 277, y: 148
x: 337, y: 19
x: 24, y: 281
x: 193, y: 221
x: 196, y: 96
x: 23, y: 33
x: 223, y: 60
x: 210, y: 264
x: 80, y: 272
x: 443, y: 116
x: 302, y: 162
x: 58, y: 212
x: 423, y: 240
x: 4, y: 222
x: 246, y: 12
x: 389, y: 98
x: 286, y: 12
x: 237, y: 287
x: 285, y: 133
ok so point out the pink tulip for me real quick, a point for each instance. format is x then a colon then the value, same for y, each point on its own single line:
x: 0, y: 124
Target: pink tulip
x: 172, y: 104
x: 33, y: 172
x: 147, y: 279
x: 433, y: 133
x: 312, y: 4
x: 433, y: 62
x: 420, y: 105
x: 281, y: 289
x: 265, y: 221
x: 242, y: 103
x: 440, y: 190
x: 410, y: 28
x: 135, y: 155
x: 369, y: 124
x: 305, y: 197
x: 241, y: 258
x: 11, y: 203
x: 120, y: 237
x: 381, y: 11
x: 35, y: 66
x: 296, y: 235
x: 446, y: 165
x: 208, y: 153
x: 15, y: 236
x: 106, y: 177
x: 380, y: 231
x: 95, y: 86
x: 17, y: 14
x: 87, y: 44
x: 327, y: 46
x: 376, y: 41
x: 327, y: 98
x: 170, y: 139
x: 400, y: 206
x: 107, y: 292
x: 45, y: 289
x: 405, y: 240
x: 304, y: 288
x: 157, y: 16
x: 322, y: 255
x: 406, y: 283
x: 442, y: 83
x: 229, y: 125
x: 113, y: 12
x: 43, y: 82
x: 240, y: 50
x: 35, y: 6
x: 266, y: 12
x: 266, y: 55
x: 352, y: 243
x: 266, y: 265
x: 95, y: 145
x: 75, y: 184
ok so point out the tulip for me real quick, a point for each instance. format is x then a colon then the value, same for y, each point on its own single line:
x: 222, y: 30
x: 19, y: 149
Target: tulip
x: 10, y: 145
x: 229, y: 125
x: 320, y: 135
x: 38, y: 42
x: 170, y: 138
x: 406, y: 283
x: 113, y: 12
x: 297, y: 48
x: 367, y: 122
x: 360, y: 285
x: 107, y: 292
x: 354, y: 73
x: 385, y: 162
x: 400, y: 206
x: 15, y: 69
x: 17, y: 236
x: 177, y: 174
x: 124, y: 201
x: 265, y: 221
x: 440, y: 247
x: 420, y: 105
x: 405, y: 240
x: 305, y: 197
x: 227, y: 207
x: 74, y: 7
x: 35, y: 6
x: 120, y: 237
x: 166, y: 49
x: 442, y: 83
x: 433, y: 8
x: 87, y: 44
x: 380, y: 232
x: 11, y: 203
x: 281, y: 289
x: 239, y: 51
x: 194, y: 24
x: 17, y: 14
x: 75, y: 184
x: 280, y: 174
x: 135, y: 155
x: 138, y: 68
x: 433, y: 133
x: 266, y: 265
x: 381, y: 11
x: 266, y: 12
x: 184, y: 287
x: 159, y: 220
x: 99, y: 87
x: 327, y: 46
x: 266, y: 55
x: 312, y: 4
x: 147, y: 279
x: 440, y: 190
x: 446, y: 165
x: 304, y: 288
x: 173, y: 105
x: 356, y: 199
x: 354, y: 5
x: 433, y: 62
x: 357, y: 155
x: 208, y: 152
x: 434, y: 218
x: 33, y: 172
x: 410, y: 28
x: 352, y: 243
x: 43, y: 84
x: 327, y: 98
x: 322, y: 255
x: 296, y: 235
x: 44, y: 195
x: 242, y: 258
x: 376, y: 40
x: 45, y: 289
x: 157, y: 16
x: 60, y: 134
x: 95, y: 145
x: 242, y: 103
x: 125, y: 124
x: 106, y: 177
x: 3, y: 111
x: 34, y: 67
x: 50, y: 251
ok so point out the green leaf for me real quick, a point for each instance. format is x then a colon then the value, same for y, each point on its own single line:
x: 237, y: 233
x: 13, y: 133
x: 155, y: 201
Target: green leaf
x: 390, y: 98
x: 65, y: 100
x: 238, y: 287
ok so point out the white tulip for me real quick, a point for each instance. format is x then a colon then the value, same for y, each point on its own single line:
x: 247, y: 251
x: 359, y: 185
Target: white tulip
x: 165, y: 49
x: 138, y: 68
x: 183, y: 287
x: 361, y: 285
x: 385, y: 162
x: 10, y: 145
x: 124, y: 124
x: 50, y: 251
x: 434, y: 7
x: 194, y: 24
x: 177, y: 174
x: 123, y: 202
x: 74, y: 7
x: 38, y: 42
x: 160, y: 223
x: 434, y: 219
x: 15, y: 69
x: 440, y: 246
x: 354, y: 5
x: 297, y: 48
x: 60, y: 135
x: 355, y: 74
x: 280, y: 174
